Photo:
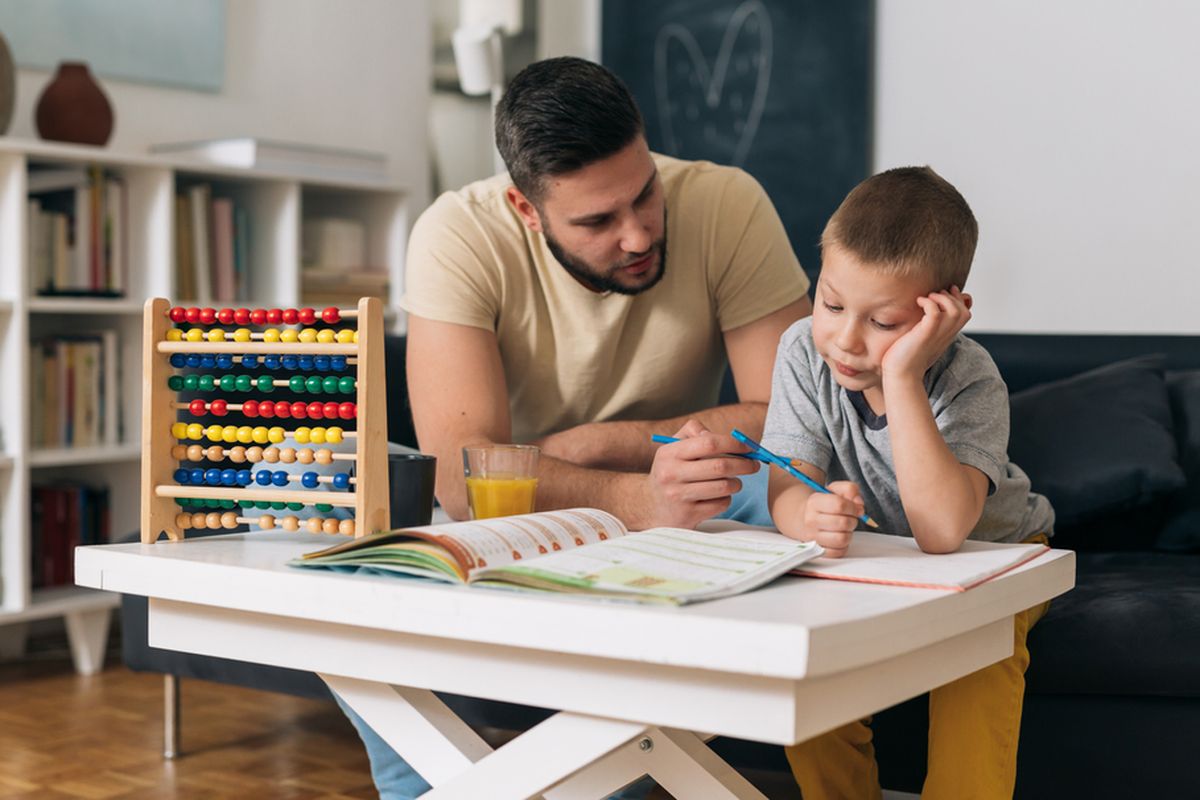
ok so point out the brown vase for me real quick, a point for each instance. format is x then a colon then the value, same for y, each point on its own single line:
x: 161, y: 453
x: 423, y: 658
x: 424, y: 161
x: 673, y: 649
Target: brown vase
x: 73, y: 107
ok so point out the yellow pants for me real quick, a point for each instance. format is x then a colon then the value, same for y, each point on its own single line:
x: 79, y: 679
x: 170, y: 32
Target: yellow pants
x: 974, y: 725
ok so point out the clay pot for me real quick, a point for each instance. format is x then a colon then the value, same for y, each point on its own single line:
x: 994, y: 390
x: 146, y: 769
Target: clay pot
x: 8, y: 85
x: 73, y: 107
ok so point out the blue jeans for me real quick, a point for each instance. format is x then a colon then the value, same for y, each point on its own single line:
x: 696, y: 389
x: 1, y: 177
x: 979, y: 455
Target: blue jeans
x: 396, y: 780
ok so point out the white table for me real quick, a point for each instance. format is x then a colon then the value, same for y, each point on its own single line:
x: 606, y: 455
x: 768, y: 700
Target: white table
x: 778, y: 665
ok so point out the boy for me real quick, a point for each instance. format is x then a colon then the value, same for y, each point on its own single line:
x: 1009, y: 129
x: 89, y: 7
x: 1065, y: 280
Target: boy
x: 880, y: 393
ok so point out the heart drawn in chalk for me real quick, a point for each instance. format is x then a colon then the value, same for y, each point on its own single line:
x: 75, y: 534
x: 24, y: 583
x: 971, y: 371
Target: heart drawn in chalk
x: 714, y: 111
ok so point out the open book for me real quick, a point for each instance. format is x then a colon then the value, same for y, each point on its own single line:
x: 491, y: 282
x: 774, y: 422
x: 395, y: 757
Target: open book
x: 898, y: 561
x: 579, y: 550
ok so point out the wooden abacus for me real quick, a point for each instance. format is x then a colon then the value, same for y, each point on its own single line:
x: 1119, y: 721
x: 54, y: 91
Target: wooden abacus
x: 332, y: 362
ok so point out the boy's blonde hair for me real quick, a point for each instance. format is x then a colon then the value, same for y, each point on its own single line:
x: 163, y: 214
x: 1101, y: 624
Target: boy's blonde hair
x: 910, y: 221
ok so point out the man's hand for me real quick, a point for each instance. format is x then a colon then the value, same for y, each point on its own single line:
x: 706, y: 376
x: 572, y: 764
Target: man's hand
x: 913, y: 353
x: 830, y: 519
x: 693, y: 479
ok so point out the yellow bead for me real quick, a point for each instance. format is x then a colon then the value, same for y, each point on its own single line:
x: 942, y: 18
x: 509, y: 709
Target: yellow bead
x: 195, y: 431
x: 271, y: 455
x: 245, y: 434
x: 183, y: 521
x: 179, y: 430
x: 301, y: 435
x: 317, y: 436
x: 326, y: 336
x: 259, y: 435
x: 290, y: 336
x: 241, y: 335
x: 345, y: 336
x: 356, y: 337
x: 333, y: 434
x: 308, y: 335
x: 229, y: 434
x: 195, y: 335
x: 213, y: 432
x: 174, y: 335
x: 271, y: 335
x: 346, y: 527
x: 276, y: 435
x: 304, y: 455
x: 329, y: 525
x: 216, y: 335
x: 266, y: 522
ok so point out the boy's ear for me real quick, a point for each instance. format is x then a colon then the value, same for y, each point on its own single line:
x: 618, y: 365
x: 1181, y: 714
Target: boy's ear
x: 968, y: 301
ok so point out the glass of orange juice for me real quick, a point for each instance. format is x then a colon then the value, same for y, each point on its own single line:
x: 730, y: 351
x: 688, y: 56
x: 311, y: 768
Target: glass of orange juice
x: 501, y: 479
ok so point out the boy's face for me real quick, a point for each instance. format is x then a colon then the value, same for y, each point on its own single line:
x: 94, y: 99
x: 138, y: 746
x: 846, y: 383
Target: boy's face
x: 860, y: 312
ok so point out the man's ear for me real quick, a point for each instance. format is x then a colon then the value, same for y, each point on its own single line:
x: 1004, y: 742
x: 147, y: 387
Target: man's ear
x: 524, y: 208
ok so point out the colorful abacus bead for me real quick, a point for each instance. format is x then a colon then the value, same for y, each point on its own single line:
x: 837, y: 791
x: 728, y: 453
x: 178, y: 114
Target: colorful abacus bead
x: 341, y: 480
x: 331, y: 315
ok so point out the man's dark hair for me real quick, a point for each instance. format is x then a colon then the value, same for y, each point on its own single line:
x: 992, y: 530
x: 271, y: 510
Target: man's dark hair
x: 560, y: 115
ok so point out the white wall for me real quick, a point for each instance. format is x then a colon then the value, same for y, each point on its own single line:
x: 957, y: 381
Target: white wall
x: 1073, y: 129
x: 355, y: 73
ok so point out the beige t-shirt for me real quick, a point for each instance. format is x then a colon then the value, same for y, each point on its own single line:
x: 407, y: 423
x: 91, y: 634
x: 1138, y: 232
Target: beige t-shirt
x: 572, y: 355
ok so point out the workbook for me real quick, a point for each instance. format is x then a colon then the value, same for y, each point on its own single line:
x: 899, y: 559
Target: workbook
x: 579, y: 550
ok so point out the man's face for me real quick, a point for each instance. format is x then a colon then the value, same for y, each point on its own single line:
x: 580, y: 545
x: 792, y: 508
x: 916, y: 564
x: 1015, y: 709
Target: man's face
x: 606, y: 222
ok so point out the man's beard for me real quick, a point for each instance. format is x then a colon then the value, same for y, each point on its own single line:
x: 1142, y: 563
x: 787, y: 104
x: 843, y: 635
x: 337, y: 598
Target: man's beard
x: 605, y: 280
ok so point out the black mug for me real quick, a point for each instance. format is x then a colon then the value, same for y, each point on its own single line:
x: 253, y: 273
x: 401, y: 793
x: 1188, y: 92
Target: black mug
x: 411, y: 476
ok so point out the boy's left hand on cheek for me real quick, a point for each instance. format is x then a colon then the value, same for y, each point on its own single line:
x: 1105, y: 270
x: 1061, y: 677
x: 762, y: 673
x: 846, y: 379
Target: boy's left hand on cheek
x: 945, y: 315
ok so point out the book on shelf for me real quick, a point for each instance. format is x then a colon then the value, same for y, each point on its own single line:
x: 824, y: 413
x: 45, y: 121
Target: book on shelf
x: 75, y: 390
x: 580, y: 551
x: 77, y: 232
x: 212, y: 246
x: 288, y: 157
x: 898, y: 561
x: 63, y: 516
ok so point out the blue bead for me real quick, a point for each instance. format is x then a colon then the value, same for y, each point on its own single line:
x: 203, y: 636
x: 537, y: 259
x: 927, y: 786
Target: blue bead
x: 309, y: 480
x: 244, y: 478
x: 250, y: 361
x: 290, y: 362
x: 306, y: 362
x: 197, y: 476
x: 178, y: 360
x: 270, y: 362
x: 229, y: 477
x: 341, y: 480
x: 181, y: 476
x: 263, y: 478
x: 321, y: 363
x: 338, y: 363
x: 208, y: 361
x: 280, y: 478
x: 193, y: 361
x: 212, y: 477
x: 224, y: 361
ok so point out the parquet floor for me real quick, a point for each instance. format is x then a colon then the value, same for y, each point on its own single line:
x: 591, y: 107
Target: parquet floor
x: 100, y: 738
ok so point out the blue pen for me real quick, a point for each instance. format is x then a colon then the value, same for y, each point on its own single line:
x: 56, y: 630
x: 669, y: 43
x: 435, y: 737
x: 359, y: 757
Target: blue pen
x: 753, y: 456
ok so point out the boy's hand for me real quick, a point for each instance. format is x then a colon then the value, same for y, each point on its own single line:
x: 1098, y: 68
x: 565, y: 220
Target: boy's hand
x: 945, y: 315
x: 830, y: 519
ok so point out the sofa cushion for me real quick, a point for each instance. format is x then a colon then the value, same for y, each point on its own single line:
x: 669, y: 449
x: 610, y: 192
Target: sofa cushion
x: 1130, y: 627
x: 1098, y: 442
x: 1182, y: 530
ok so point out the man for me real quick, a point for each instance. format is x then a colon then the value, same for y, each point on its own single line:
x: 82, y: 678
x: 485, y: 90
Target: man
x: 550, y: 305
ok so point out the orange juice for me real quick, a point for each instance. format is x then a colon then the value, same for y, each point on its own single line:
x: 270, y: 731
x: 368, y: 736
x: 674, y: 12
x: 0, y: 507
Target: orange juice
x: 500, y: 495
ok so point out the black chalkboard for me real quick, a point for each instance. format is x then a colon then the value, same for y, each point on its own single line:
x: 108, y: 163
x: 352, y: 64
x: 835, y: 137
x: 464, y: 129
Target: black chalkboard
x: 781, y: 88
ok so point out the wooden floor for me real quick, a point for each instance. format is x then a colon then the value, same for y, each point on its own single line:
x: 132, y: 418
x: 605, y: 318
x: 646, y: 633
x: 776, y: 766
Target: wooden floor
x: 100, y: 737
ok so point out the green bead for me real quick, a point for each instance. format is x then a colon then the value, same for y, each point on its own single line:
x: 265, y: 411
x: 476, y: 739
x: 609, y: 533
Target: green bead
x: 314, y: 384
x: 191, y: 382
x: 175, y: 383
x: 296, y: 383
x: 324, y: 507
x: 346, y: 383
x: 228, y: 383
x: 265, y: 505
x: 207, y: 383
x: 278, y: 505
x: 245, y: 383
x: 295, y: 506
x: 266, y: 383
x: 246, y: 503
x: 181, y: 501
x: 228, y: 504
x: 330, y: 385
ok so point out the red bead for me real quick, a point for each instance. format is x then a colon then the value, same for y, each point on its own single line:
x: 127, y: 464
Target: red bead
x: 347, y: 411
x: 197, y: 408
x: 300, y: 410
x: 331, y: 315
x: 290, y: 316
x: 266, y: 408
x: 329, y: 410
x: 208, y: 316
x: 258, y: 316
x: 225, y: 316
x: 219, y: 407
x: 306, y: 316
x: 316, y: 410
x: 241, y: 316
x: 250, y: 408
x: 275, y: 316
x: 192, y: 315
x: 178, y: 314
x: 283, y: 409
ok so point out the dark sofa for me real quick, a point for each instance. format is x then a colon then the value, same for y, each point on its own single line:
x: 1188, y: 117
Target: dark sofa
x: 1113, y: 699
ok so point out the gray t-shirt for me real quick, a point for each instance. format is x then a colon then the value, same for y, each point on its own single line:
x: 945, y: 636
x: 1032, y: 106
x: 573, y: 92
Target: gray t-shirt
x: 813, y: 419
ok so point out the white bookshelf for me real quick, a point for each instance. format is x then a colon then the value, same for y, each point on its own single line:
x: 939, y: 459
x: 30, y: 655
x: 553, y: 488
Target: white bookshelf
x: 276, y: 204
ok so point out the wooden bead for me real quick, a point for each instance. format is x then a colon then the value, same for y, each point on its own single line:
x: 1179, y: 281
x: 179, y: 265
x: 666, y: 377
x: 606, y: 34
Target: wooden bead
x: 346, y: 526
x: 305, y: 455
x: 214, y: 453
x: 179, y: 452
x: 330, y: 525
x: 313, y: 524
x: 237, y: 454
x: 183, y: 521
x: 271, y: 455
x: 290, y: 523
x: 254, y: 454
x: 199, y: 520
x: 229, y: 519
x: 266, y: 522
x: 324, y: 456
x: 287, y: 455
x: 212, y: 521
